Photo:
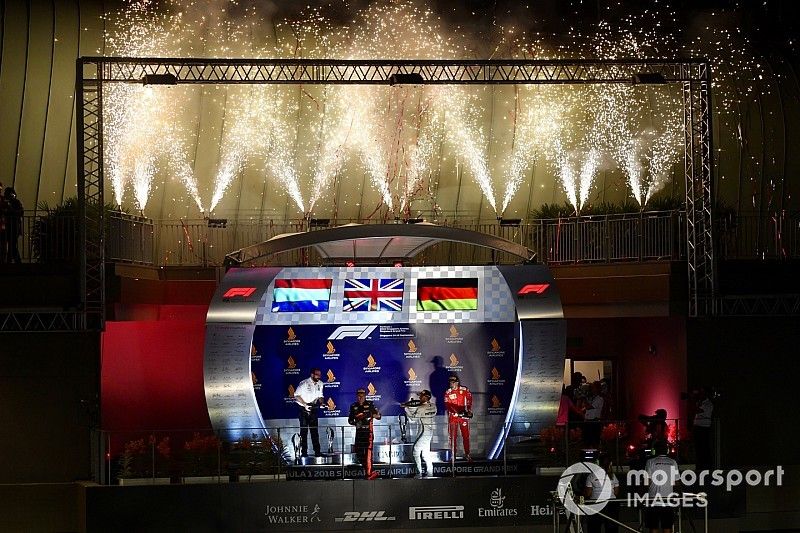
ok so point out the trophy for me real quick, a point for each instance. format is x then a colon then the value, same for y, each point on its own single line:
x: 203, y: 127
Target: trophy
x: 403, y: 421
x: 296, y: 446
x: 329, y: 432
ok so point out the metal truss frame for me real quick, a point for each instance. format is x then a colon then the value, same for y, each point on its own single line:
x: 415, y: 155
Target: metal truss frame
x: 699, y: 176
x: 760, y: 305
x: 40, y: 320
x: 694, y: 75
x: 89, y: 111
x: 380, y: 72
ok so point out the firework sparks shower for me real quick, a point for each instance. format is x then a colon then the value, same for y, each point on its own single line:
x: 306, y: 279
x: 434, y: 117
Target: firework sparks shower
x: 306, y: 140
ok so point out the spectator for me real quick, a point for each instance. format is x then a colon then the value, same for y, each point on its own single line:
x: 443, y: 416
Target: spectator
x: 661, y: 472
x: 701, y: 429
x: 594, y: 410
x: 567, y: 410
x: 592, y: 491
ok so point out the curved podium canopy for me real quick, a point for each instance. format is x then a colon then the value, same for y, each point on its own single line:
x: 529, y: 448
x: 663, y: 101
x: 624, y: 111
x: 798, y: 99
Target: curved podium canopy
x: 374, y: 242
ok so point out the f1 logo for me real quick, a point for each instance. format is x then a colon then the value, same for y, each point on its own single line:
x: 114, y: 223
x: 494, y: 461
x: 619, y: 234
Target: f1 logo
x: 244, y: 292
x: 361, y: 332
x: 533, y: 288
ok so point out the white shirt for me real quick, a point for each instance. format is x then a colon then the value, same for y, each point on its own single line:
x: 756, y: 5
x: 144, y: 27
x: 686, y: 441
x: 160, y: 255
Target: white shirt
x: 308, y: 390
x: 596, y: 409
x: 668, y: 470
x: 597, y: 485
x: 425, y: 414
x: 703, y: 416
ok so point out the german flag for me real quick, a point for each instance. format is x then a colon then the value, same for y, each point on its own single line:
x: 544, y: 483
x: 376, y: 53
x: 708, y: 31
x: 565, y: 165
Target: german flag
x: 460, y: 294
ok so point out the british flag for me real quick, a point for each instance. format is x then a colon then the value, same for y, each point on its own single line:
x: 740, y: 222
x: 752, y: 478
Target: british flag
x: 373, y: 295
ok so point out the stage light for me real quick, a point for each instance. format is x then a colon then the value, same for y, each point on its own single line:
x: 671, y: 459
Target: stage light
x: 217, y: 222
x: 160, y: 79
x: 414, y: 220
x: 319, y: 222
x: 350, y: 264
x: 509, y: 221
x: 398, y: 264
x: 401, y: 78
x: 653, y: 78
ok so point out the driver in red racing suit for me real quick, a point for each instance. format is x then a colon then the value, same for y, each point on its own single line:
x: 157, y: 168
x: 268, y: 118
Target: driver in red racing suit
x: 458, y: 402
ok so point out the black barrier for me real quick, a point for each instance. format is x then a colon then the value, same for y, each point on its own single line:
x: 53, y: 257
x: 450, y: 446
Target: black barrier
x: 323, y: 505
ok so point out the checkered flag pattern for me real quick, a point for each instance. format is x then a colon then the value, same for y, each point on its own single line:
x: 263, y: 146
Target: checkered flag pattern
x: 495, y: 302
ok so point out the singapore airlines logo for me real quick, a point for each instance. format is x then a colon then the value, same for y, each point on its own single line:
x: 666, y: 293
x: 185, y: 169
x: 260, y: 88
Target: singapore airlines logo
x: 331, y: 377
x: 290, y: 396
x: 495, y: 345
x: 413, y: 380
x: 413, y: 350
x: 455, y: 364
x: 455, y: 336
x: 372, y: 365
x: 495, y: 402
x: 291, y: 367
x: 372, y: 393
x: 330, y: 353
x: 290, y: 335
x: 495, y: 378
x: 253, y: 350
x: 331, y: 408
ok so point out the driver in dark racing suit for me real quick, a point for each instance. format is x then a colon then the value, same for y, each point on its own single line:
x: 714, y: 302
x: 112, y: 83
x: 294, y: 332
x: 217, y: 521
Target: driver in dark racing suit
x: 362, y: 413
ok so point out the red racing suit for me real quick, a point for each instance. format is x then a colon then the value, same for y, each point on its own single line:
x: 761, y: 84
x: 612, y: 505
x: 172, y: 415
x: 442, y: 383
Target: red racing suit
x: 458, y: 403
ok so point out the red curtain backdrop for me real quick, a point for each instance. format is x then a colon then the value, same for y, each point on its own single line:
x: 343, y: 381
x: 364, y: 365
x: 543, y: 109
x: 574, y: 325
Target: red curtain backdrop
x: 152, y: 369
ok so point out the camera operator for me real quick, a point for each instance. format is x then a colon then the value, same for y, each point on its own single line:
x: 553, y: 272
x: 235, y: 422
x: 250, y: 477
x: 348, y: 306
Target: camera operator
x: 655, y: 427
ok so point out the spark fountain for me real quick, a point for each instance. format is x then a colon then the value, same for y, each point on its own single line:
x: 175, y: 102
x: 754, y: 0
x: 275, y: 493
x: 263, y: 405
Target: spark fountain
x: 307, y: 139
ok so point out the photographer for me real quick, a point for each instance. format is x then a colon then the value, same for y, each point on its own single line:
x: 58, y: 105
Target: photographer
x: 656, y: 429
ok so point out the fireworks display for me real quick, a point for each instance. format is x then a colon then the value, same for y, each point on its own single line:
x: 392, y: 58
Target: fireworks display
x: 305, y: 140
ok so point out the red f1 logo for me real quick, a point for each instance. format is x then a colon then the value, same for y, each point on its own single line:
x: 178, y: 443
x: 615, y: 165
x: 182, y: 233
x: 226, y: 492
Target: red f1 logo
x: 244, y: 292
x: 533, y: 288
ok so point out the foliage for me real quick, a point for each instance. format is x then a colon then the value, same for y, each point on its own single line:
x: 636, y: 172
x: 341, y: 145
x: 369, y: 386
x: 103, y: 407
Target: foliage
x: 565, y: 210
x: 665, y: 203
x: 144, y: 457
x: 254, y: 455
x: 554, y: 211
x: 201, y: 455
x: 54, y: 235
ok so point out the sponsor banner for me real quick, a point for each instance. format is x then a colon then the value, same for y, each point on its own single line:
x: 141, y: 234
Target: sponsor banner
x: 365, y: 516
x: 300, y: 506
x: 396, y: 360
